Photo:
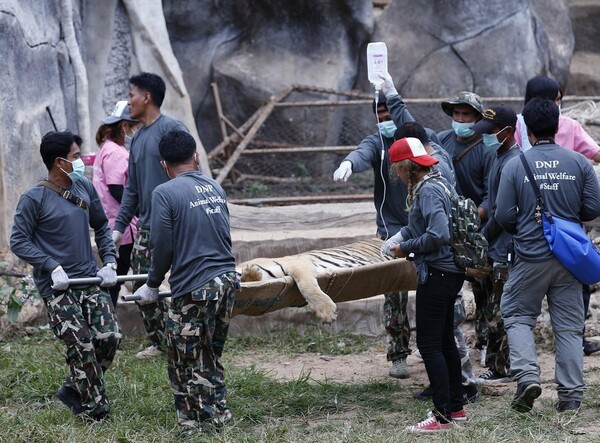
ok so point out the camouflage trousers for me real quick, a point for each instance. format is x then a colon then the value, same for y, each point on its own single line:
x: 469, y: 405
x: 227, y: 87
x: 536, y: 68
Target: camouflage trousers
x: 84, y: 320
x: 397, y: 326
x: 497, y: 357
x: 153, y: 314
x: 482, y: 292
x: 468, y: 376
x: 197, y: 326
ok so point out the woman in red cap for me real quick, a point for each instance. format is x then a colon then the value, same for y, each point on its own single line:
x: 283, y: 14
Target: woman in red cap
x: 427, y: 238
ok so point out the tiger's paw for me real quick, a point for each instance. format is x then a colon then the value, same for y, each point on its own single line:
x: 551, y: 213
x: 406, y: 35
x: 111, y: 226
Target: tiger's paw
x: 325, y: 310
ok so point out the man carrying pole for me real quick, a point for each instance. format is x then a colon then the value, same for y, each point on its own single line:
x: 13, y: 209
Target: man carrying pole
x: 190, y: 234
x: 51, y: 233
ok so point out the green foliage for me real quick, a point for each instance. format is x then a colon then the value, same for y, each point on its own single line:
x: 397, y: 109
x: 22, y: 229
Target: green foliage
x: 301, y: 170
x: 15, y: 292
x: 290, y: 341
x: 265, y: 409
x: 255, y: 190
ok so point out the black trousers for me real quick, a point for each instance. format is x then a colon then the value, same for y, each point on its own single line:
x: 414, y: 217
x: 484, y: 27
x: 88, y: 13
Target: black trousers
x: 435, y: 340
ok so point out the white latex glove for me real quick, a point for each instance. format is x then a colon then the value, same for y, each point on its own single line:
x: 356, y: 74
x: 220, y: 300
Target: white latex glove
x: 343, y: 172
x: 394, y: 240
x: 60, y: 279
x: 387, y: 86
x: 117, y: 237
x: 108, y: 276
x: 147, y: 294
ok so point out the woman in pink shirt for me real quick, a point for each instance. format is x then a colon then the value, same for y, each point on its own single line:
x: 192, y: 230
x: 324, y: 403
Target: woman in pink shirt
x: 570, y: 133
x: 110, y: 177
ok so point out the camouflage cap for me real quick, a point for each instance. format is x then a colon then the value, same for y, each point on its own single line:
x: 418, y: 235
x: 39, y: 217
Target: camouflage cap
x: 464, y: 97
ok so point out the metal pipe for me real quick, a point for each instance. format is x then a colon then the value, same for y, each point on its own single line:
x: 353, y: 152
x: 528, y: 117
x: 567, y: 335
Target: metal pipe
x: 137, y: 297
x: 98, y: 280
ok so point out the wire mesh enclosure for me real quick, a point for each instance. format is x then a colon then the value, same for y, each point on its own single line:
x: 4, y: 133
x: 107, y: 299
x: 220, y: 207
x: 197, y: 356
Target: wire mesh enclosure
x: 288, y: 150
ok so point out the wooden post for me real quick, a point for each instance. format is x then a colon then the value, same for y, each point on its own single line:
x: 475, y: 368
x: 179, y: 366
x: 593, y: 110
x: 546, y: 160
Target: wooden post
x: 215, y: 90
x: 264, y: 114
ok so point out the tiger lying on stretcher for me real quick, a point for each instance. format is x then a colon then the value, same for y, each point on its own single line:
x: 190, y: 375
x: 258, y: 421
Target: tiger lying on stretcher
x: 304, y: 269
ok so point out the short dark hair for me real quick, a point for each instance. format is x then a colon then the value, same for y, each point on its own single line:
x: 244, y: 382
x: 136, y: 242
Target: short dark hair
x: 541, y: 87
x: 381, y: 102
x: 412, y: 129
x: 177, y: 147
x: 541, y: 117
x: 152, y: 83
x: 57, y: 144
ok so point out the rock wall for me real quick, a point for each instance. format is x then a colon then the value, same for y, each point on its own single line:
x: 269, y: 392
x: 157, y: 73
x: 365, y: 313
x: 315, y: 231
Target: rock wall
x: 253, y: 49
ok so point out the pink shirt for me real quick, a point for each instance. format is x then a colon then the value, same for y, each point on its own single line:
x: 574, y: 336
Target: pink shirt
x: 111, y: 168
x: 570, y: 135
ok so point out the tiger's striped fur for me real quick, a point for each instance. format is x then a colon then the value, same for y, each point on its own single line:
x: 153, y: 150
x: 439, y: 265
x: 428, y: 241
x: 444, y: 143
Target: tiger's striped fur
x: 305, y: 267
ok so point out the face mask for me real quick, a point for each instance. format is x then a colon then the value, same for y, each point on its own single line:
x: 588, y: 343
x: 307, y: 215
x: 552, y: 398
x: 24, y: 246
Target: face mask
x: 127, y: 142
x: 491, y: 141
x: 78, y: 170
x: 463, y: 129
x: 387, y: 129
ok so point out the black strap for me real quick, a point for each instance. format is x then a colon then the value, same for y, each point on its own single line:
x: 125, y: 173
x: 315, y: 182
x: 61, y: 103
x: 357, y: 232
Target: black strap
x: 536, y: 188
x: 65, y: 193
x: 466, y: 150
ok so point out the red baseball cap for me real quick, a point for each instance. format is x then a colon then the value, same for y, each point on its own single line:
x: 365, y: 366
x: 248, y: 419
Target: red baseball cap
x: 410, y: 148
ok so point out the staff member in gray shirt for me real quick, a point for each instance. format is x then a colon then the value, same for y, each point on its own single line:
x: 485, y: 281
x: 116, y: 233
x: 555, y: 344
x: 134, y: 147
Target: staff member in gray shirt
x: 570, y: 190
x: 145, y: 173
x: 190, y: 233
x: 51, y: 233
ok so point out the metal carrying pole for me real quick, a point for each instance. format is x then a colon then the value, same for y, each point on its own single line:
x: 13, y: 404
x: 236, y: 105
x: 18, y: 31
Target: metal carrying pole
x: 120, y: 279
x: 137, y: 297
x: 98, y: 280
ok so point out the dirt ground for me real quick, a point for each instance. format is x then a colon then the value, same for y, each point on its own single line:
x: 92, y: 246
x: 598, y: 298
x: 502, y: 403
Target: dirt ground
x: 372, y: 366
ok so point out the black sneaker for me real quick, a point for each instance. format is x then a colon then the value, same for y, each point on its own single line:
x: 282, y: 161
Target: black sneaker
x: 568, y: 405
x: 425, y: 394
x: 493, y: 376
x: 525, y: 396
x: 70, y: 397
x: 471, y: 394
x: 590, y: 348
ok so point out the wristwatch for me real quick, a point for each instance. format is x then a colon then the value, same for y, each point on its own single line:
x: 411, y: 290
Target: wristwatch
x: 113, y: 266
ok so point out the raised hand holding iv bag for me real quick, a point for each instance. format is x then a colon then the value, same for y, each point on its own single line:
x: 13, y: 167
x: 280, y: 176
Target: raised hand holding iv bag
x: 377, y: 63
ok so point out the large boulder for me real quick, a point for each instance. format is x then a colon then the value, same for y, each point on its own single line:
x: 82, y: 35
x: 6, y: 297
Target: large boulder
x: 38, y: 79
x: 254, y: 49
x: 584, y: 74
x: 436, y: 49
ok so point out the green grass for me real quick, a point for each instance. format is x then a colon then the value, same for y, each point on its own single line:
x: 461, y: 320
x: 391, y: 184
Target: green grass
x: 265, y: 409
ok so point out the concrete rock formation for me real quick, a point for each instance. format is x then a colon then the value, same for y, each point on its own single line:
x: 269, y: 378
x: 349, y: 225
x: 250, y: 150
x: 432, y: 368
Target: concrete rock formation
x: 252, y: 50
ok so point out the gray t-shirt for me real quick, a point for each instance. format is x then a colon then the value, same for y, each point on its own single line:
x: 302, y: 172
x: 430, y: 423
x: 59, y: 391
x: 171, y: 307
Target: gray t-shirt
x: 49, y: 231
x: 472, y: 171
x: 189, y: 233
x: 445, y: 164
x: 497, y: 237
x: 392, y: 210
x: 145, y: 171
x: 569, y: 189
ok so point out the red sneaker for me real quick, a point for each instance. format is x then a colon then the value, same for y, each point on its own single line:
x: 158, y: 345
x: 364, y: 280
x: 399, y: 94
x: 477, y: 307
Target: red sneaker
x: 430, y: 426
x: 456, y: 416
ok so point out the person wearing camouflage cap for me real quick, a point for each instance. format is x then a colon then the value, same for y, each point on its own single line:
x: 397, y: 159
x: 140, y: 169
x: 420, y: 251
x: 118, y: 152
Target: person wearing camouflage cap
x: 472, y: 165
